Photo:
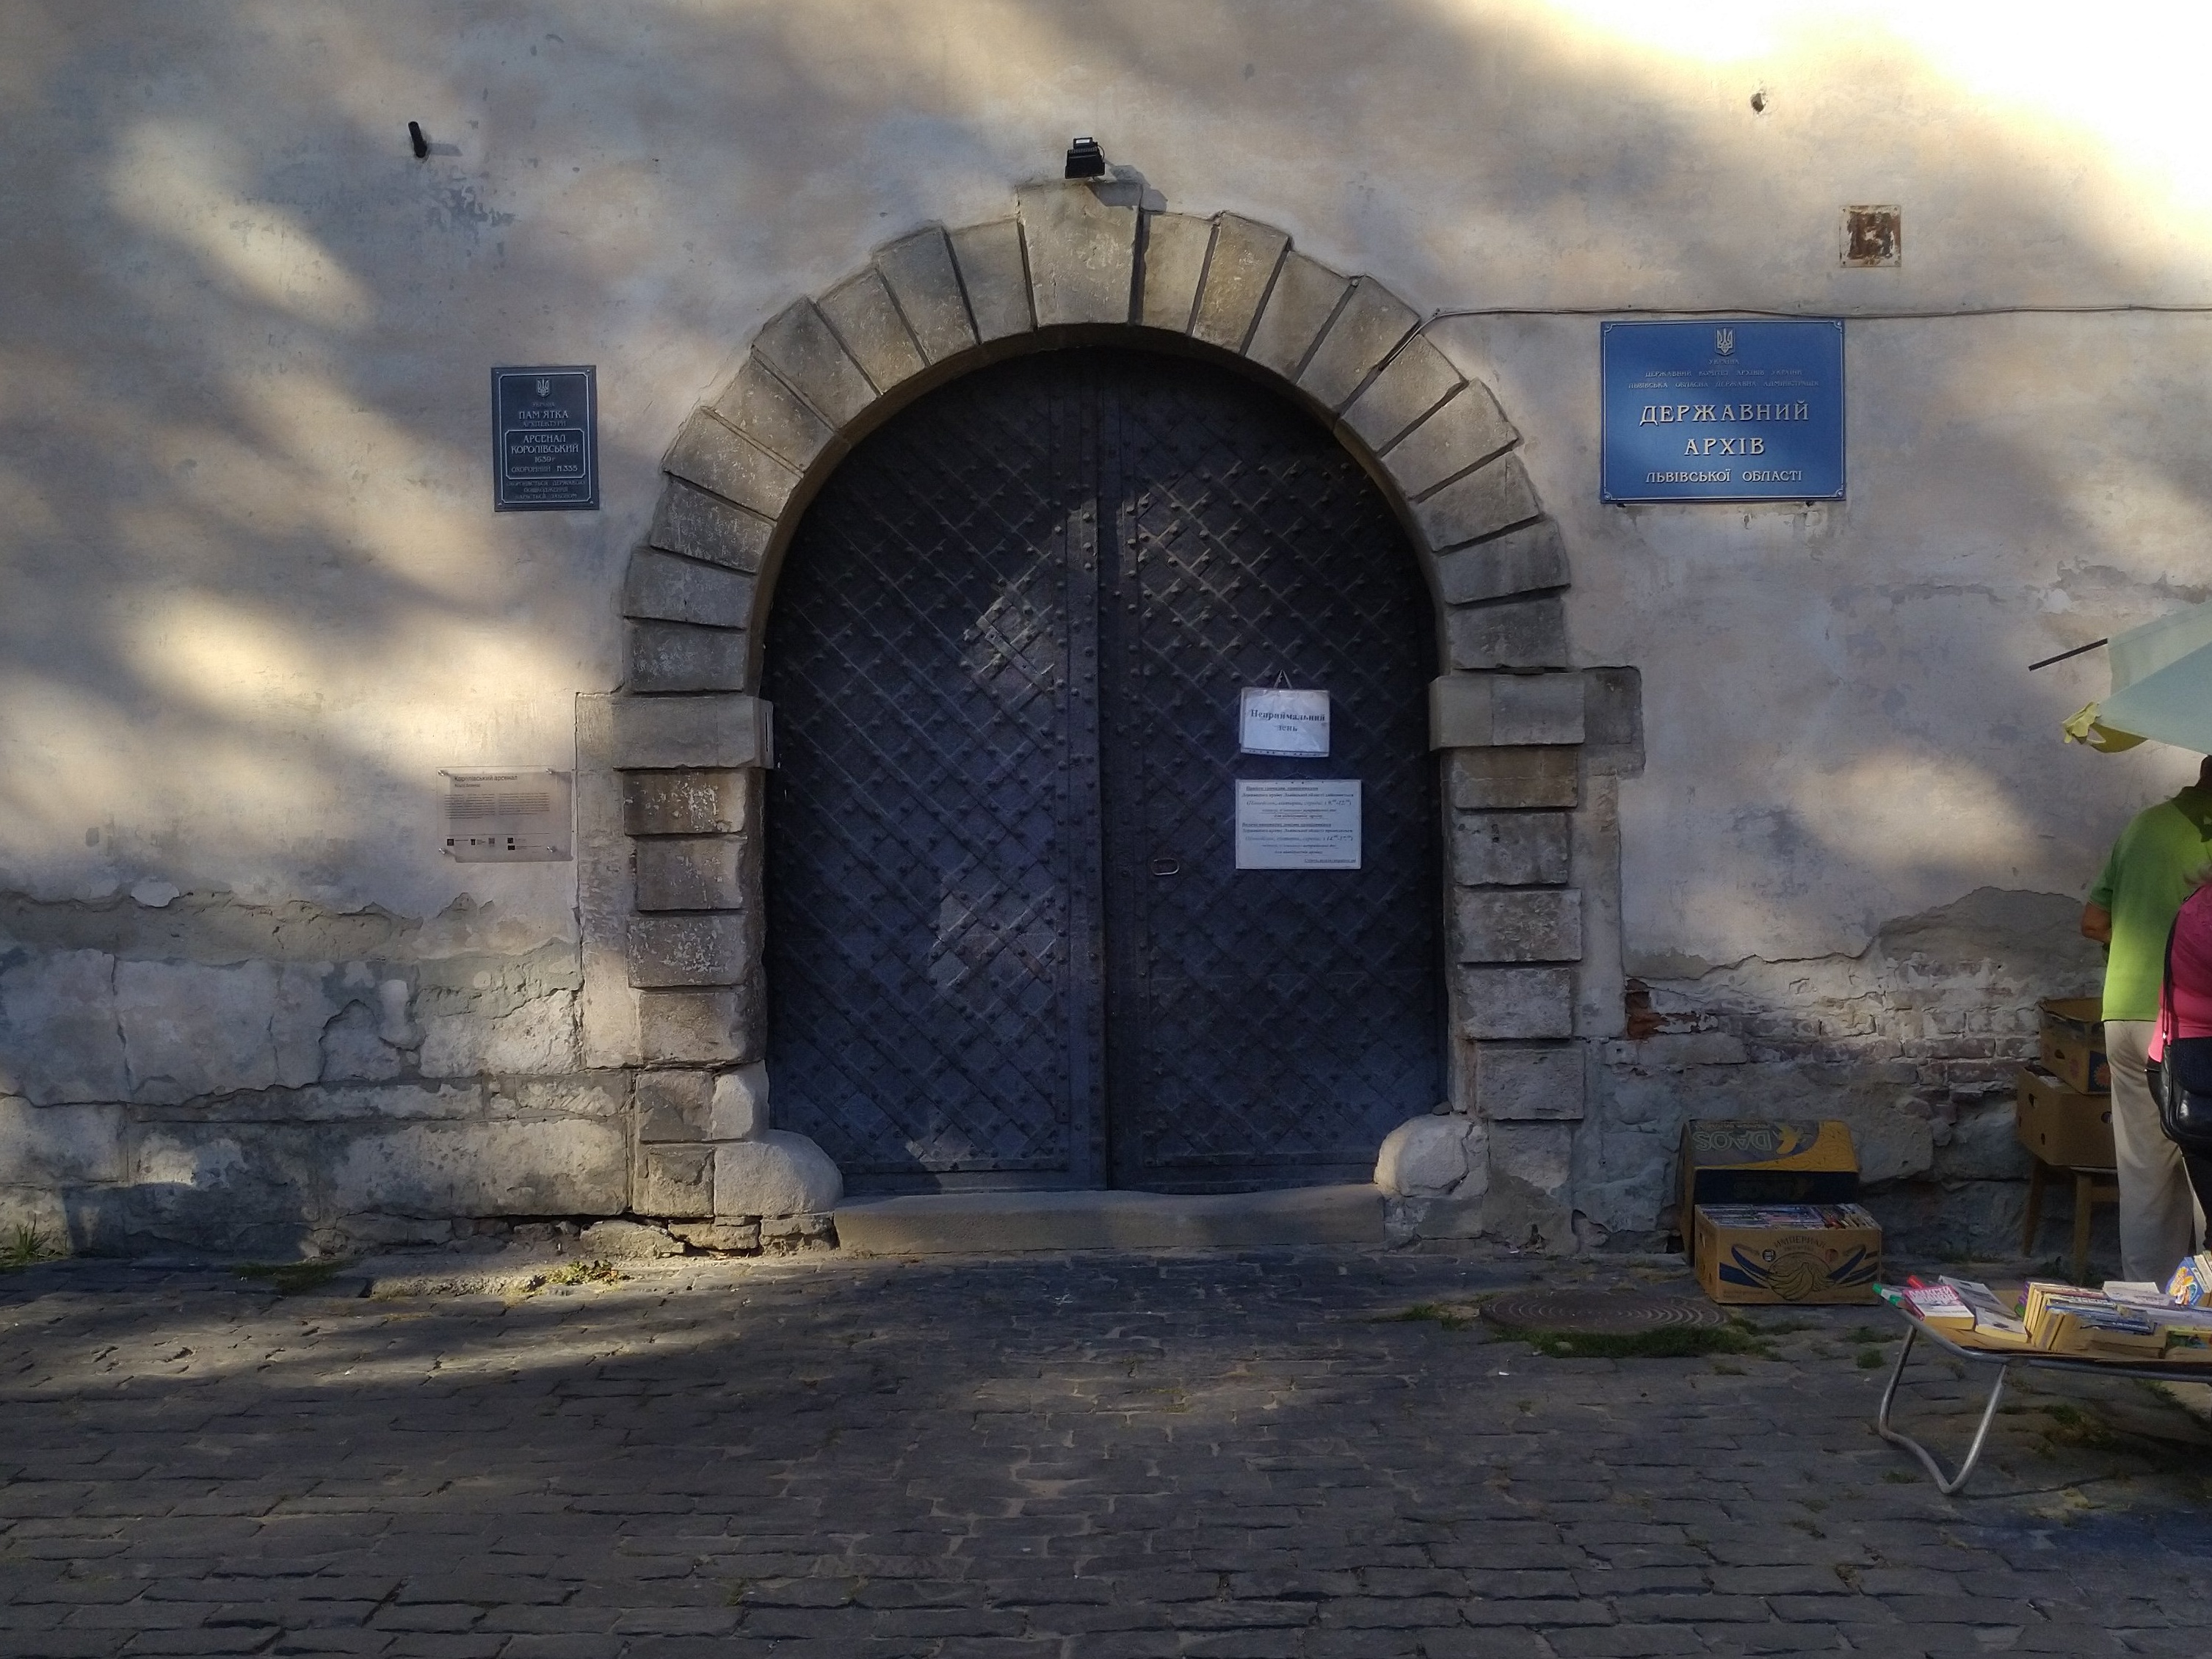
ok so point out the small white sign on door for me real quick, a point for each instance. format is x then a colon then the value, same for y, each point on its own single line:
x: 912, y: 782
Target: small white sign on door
x: 1297, y: 824
x: 1280, y: 721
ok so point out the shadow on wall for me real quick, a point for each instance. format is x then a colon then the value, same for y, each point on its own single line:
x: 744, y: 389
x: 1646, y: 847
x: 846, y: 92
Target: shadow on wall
x: 1913, y: 1043
x: 231, y: 231
x: 254, y: 585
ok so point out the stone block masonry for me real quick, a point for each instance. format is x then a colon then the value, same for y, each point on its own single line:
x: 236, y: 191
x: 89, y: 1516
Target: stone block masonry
x: 212, y: 1074
x: 680, y: 913
x: 205, y: 1074
x: 372, y: 1077
x: 1912, y: 1042
x: 1239, y: 270
x: 257, y: 596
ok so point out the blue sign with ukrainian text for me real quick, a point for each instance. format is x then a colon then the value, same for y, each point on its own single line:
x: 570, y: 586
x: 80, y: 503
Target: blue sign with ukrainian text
x: 1721, y: 410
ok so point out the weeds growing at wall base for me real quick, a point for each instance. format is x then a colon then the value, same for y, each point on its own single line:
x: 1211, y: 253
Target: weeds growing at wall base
x: 294, y: 1278
x: 577, y: 1273
x: 1667, y: 1342
x: 26, y: 1246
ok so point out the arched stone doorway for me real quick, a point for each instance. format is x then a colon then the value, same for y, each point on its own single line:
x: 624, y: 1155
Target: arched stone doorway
x: 672, y: 838
x: 1008, y: 940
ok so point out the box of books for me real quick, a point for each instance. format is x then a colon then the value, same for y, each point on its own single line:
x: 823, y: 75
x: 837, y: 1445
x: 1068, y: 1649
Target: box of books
x: 2062, y: 1125
x: 2073, y: 1042
x: 1738, y: 1161
x: 1761, y: 1254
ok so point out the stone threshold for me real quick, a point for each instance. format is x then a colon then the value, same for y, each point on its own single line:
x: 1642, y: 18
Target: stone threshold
x: 992, y: 1224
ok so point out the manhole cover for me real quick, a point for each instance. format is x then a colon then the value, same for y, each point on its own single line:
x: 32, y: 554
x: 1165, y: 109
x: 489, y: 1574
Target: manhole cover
x: 1601, y: 1313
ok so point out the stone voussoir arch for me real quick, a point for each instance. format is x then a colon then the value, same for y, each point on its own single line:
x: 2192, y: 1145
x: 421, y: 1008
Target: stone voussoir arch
x: 1074, y: 265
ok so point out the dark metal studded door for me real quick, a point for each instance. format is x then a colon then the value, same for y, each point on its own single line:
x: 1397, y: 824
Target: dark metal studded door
x: 1267, y: 1026
x: 934, y: 1014
x: 1007, y: 943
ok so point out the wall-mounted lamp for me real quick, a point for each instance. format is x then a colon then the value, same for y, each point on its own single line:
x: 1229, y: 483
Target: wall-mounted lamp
x: 1085, y: 160
x: 414, y: 138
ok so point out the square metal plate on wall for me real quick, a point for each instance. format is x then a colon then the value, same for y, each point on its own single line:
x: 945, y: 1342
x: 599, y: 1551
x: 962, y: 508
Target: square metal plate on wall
x: 1874, y: 236
x: 519, y: 816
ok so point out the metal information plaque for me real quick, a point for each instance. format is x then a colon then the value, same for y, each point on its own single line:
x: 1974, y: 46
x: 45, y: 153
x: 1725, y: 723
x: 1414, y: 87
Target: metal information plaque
x: 508, y: 818
x: 1297, y: 824
x: 545, y: 439
x: 1722, y: 411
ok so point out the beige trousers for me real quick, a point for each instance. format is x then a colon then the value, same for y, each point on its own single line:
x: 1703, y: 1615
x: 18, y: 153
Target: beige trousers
x: 2159, y: 1221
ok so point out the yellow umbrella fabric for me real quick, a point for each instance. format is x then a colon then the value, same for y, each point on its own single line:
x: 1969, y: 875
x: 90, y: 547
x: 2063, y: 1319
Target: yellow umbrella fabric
x: 2161, y: 687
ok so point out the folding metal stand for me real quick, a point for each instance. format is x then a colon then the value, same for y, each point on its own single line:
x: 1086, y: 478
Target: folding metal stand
x: 2004, y: 1359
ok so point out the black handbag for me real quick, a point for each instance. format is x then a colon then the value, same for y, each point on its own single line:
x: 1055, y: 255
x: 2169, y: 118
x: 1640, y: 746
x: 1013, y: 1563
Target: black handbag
x: 2181, y: 1082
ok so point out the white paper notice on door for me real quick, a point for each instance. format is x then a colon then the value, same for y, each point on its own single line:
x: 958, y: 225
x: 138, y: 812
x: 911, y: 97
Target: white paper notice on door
x: 1280, y: 721
x: 1297, y: 824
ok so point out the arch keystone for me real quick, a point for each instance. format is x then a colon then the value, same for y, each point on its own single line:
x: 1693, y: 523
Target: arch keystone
x: 1082, y: 254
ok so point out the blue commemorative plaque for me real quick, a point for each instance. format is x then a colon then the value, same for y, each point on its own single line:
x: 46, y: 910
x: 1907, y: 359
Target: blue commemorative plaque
x: 1722, y: 410
x: 545, y: 439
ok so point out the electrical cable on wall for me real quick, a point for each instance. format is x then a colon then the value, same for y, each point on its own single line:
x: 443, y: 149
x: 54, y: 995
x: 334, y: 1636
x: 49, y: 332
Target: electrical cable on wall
x: 1814, y: 315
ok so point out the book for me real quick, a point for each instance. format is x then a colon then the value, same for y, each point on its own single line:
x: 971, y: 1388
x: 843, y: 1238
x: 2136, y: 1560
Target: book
x: 1751, y: 1217
x: 2067, y: 1319
x: 2127, y: 1321
x: 1993, y: 1321
x: 2147, y: 1291
x: 2096, y: 1324
x: 1939, y: 1304
x: 2191, y: 1284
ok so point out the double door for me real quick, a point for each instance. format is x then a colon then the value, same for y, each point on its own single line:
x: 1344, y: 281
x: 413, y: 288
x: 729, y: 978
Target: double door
x: 1008, y: 943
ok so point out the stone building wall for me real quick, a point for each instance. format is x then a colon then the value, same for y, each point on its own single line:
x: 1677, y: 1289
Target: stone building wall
x: 1821, y: 846
x: 191, y: 1069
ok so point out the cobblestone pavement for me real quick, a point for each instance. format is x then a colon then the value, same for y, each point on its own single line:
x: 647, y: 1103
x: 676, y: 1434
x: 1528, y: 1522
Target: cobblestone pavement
x: 1226, y: 1455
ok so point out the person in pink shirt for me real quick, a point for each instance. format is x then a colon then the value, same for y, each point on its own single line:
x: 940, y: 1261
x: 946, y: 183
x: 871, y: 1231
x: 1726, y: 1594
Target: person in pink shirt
x: 2183, y: 1042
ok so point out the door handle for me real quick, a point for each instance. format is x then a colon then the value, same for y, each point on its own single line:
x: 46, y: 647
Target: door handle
x: 1166, y: 867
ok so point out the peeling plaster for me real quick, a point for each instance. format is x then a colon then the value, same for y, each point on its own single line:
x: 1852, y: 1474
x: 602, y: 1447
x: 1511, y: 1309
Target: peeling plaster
x: 1911, y: 1040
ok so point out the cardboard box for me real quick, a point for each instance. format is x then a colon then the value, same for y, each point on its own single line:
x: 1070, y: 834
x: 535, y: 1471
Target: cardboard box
x: 1743, y: 1161
x: 2073, y: 1043
x: 1753, y: 1254
x: 2062, y: 1125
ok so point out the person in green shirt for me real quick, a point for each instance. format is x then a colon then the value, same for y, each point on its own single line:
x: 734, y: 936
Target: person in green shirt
x: 2160, y: 858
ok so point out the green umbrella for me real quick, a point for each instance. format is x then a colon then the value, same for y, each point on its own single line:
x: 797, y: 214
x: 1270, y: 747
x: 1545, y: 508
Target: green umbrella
x: 2161, y: 687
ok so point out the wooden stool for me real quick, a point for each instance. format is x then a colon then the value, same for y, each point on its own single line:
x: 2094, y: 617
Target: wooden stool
x: 2091, y: 1188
